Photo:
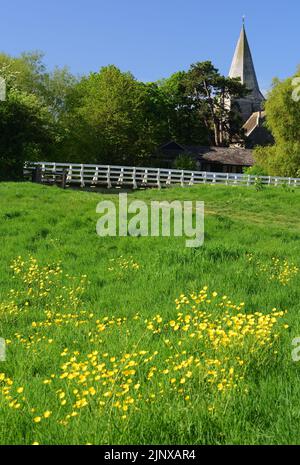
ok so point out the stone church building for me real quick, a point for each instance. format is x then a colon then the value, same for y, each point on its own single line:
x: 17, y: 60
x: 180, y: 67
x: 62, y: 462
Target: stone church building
x: 242, y: 67
x: 250, y: 107
x: 233, y: 159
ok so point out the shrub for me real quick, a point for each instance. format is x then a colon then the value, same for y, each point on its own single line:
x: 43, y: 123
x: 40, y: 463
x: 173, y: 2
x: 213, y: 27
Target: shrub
x: 185, y: 162
x: 255, y: 171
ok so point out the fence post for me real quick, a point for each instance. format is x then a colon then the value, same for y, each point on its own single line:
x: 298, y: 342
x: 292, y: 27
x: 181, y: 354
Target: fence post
x: 54, y: 172
x: 70, y: 172
x: 145, y: 178
x: 82, y: 184
x: 134, y: 179
x: 109, y: 186
x: 96, y: 176
x: 64, y: 179
x: 121, y: 177
x: 37, y: 175
x: 182, y: 179
x: 158, y: 179
x: 169, y: 179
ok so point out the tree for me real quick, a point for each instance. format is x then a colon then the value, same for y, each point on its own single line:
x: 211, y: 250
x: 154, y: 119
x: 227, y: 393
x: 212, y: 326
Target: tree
x: 283, y: 120
x: 28, y: 74
x: 211, y: 94
x: 24, y: 73
x: 112, y: 118
x: 25, y: 132
x: 109, y: 116
x: 153, y: 122
x: 30, y: 119
x: 185, y: 124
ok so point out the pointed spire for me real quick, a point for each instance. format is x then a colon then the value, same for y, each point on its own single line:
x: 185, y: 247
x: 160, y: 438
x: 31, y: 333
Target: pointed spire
x: 242, y: 66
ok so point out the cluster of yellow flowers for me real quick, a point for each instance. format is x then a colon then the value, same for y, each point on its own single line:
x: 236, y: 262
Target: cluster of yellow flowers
x: 9, y: 309
x: 13, y: 396
x: 41, y: 284
x: 222, y: 334
x: 122, y: 265
x: 206, y: 347
x: 277, y: 270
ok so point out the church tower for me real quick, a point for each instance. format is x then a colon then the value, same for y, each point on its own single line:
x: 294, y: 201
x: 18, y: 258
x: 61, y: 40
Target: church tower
x: 242, y: 66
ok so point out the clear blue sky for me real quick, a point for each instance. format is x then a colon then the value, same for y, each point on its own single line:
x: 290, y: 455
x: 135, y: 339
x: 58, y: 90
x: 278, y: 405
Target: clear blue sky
x: 153, y: 38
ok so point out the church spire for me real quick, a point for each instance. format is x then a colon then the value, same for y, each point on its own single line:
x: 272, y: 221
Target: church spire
x: 243, y: 67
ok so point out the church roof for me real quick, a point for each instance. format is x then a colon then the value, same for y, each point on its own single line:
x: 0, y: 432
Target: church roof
x: 243, y: 67
x: 255, y: 120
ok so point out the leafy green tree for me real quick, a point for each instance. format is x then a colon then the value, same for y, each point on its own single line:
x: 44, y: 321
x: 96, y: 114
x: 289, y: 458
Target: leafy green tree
x: 185, y: 124
x: 25, y: 132
x: 30, y: 118
x: 28, y: 74
x: 153, y: 127
x: 211, y: 93
x: 283, y: 120
x: 25, y: 72
x: 112, y: 118
x: 57, y: 86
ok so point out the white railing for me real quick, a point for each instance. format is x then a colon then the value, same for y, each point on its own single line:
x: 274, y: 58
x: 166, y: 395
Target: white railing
x: 137, y: 177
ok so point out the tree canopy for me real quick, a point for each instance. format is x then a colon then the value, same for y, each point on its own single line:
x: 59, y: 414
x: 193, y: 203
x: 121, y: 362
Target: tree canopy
x: 210, y: 94
x: 283, y: 120
x: 27, y: 129
x: 109, y: 116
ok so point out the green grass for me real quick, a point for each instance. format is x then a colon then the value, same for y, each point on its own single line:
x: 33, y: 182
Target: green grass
x: 53, y: 225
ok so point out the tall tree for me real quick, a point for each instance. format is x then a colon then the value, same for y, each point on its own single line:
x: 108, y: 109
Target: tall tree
x: 112, y: 118
x: 211, y: 94
x: 28, y: 73
x: 283, y: 120
x: 185, y: 123
x: 28, y: 127
x: 25, y: 132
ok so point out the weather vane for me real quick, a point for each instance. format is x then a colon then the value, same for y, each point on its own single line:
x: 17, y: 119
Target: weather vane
x: 244, y: 19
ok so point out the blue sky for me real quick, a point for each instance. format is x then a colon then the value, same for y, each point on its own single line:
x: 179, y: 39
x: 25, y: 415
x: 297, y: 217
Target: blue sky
x: 153, y: 38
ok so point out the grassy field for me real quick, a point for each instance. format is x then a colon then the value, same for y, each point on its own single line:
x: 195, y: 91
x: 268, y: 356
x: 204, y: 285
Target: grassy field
x: 142, y: 340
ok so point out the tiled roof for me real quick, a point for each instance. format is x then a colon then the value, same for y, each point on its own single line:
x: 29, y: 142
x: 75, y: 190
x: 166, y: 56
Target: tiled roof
x: 255, y: 120
x: 237, y: 156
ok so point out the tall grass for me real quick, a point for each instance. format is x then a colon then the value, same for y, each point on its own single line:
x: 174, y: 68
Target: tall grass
x: 141, y: 340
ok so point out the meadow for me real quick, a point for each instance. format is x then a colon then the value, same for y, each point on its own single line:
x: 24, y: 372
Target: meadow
x: 142, y: 340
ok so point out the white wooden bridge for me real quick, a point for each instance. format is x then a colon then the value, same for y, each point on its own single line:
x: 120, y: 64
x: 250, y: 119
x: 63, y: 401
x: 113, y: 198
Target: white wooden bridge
x: 137, y: 177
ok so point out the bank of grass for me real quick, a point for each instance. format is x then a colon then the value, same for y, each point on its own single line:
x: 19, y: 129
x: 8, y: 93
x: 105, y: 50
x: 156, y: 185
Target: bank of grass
x: 109, y: 322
